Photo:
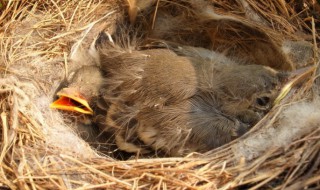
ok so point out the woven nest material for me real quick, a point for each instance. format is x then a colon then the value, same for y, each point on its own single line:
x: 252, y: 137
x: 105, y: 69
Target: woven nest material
x: 39, y: 149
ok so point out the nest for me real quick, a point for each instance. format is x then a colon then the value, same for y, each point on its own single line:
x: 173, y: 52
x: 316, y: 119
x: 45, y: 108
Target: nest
x: 40, y: 150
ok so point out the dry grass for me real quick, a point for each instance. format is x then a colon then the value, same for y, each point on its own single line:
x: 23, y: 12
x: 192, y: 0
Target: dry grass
x: 40, y: 151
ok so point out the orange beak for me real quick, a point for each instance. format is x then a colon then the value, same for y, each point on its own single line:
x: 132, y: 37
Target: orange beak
x: 71, y: 100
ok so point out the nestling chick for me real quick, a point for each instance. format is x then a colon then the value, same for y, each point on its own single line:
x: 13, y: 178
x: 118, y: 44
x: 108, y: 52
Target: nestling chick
x: 180, y: 104
x: 157, y: 100
x: 196, y: 23
x: 80, y: 93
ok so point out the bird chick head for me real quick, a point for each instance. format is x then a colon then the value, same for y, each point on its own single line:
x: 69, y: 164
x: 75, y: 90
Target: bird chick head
x: 250, y: 91
x: 78, y: 90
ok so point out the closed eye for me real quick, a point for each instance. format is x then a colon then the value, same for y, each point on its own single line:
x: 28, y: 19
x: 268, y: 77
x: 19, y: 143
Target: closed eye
x: 263, y: 101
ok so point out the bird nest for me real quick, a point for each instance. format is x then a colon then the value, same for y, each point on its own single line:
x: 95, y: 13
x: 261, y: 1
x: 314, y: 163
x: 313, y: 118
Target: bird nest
x: 40, y: 149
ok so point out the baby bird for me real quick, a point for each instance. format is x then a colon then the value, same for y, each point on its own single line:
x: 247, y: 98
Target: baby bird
x: 165, y: 101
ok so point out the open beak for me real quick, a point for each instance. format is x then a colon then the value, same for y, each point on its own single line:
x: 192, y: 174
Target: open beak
x: 71, y: 100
